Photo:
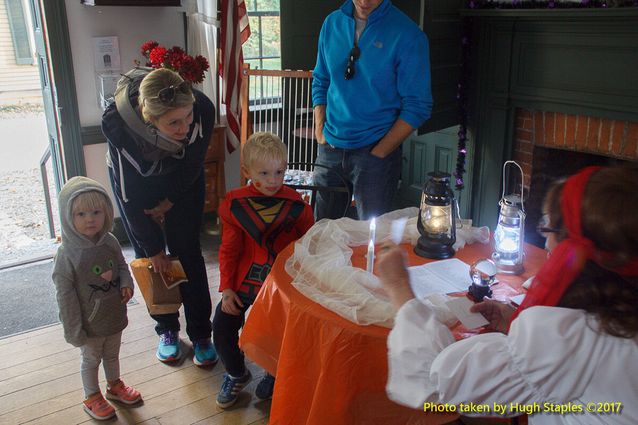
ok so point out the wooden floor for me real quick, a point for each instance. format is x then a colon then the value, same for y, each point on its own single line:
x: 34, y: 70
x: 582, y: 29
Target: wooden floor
x: 40, y: 381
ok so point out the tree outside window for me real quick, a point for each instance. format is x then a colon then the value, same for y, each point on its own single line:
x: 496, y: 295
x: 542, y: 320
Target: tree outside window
x: 262, y: 50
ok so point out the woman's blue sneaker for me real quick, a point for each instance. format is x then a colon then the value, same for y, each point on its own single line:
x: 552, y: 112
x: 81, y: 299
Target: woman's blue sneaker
x: 168, y: 348
x: 205, y: 354
x: 230, y: 389
x: 265, y: 387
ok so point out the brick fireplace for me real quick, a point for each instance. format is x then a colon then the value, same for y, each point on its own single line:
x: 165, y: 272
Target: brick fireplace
x: 576, y: 133
x: 550, y: 145
x: 555, y: 90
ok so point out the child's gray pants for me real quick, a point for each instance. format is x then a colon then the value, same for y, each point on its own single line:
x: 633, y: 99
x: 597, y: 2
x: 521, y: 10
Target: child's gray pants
x: 105, y: 349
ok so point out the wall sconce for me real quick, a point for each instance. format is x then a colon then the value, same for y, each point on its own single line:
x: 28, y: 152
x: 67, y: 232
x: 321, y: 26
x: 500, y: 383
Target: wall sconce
x: 437, y: 218
x: 510, y: 230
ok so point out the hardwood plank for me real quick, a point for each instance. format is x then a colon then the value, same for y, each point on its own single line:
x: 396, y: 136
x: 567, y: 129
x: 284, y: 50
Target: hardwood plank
x: 161, y: 396
x: 40, y: 381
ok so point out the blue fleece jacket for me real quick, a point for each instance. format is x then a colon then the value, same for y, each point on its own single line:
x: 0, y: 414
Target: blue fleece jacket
x: 391, y: 81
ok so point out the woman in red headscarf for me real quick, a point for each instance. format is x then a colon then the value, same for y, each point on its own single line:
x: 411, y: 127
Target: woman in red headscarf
x: 566, y: 355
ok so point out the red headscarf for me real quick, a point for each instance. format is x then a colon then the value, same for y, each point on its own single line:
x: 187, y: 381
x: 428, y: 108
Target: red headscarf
x: 570, y: 255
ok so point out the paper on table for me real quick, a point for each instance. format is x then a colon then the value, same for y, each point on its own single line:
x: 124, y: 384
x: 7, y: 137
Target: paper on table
x: 518, y: 299
x: 460, y: 307
x: 439, y: 277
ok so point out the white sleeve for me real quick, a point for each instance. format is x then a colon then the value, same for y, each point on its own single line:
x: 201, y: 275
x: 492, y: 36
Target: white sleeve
x: 426, y: 365
x: 413, y: 344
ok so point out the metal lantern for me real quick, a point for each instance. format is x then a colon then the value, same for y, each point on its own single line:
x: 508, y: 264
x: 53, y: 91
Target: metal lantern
x: 510, y: 230
x: 437, y: 218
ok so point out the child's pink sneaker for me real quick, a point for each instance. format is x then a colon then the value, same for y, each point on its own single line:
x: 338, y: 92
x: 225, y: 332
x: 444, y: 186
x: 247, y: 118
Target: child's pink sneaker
x: 124, y: 393
x: 98, y: 408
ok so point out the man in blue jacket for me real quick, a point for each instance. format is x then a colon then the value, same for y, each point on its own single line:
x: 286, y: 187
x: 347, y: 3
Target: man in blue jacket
x: 370, y: 90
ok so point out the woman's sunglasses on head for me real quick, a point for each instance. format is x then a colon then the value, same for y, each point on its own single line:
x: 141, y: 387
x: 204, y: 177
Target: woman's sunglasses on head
x: 167, y: 94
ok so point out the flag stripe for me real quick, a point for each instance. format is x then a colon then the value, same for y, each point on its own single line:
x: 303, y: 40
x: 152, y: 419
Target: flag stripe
x: 234, y: 32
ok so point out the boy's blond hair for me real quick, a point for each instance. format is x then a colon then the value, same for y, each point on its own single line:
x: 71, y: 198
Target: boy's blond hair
x: 91, y: 200
x: 263, y: 146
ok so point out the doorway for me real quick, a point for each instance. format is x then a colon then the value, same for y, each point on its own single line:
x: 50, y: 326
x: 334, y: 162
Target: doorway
x: 31, y: 169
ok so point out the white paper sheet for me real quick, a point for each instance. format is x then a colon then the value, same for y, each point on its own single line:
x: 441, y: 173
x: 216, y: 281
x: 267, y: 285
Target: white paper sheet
x: 397, y: 229
x: 440, y: 277
x: 518, y: 299
x: 460, y: 307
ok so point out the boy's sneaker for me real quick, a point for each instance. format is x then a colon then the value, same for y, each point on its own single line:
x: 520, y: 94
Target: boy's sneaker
x: 123, y: 393
x: 205, y: 354
x: 230, y: 389
x: 98, y: 408
x: 265, y: 387
x: 168, y: 348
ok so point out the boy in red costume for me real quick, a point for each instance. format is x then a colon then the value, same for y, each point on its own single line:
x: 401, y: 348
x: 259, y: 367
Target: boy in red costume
x: 259, y: 220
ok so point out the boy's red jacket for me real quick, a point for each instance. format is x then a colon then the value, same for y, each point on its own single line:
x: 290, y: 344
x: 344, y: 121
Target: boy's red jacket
x: 255, y: 229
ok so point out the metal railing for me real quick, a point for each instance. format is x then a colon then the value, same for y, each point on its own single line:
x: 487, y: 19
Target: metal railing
x: 45, y: 185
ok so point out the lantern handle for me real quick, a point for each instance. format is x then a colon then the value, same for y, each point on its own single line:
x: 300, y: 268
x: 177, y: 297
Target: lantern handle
x: 522, y: 178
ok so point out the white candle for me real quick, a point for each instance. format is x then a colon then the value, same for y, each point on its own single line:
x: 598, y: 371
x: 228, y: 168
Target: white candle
x: 370, y: 256
x: 373, y: 230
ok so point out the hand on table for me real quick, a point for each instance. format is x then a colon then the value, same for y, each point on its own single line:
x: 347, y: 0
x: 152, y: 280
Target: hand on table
x: 497, y: 313
x: 393, y: 273
x: 161, y: 262
x: 231, y: 304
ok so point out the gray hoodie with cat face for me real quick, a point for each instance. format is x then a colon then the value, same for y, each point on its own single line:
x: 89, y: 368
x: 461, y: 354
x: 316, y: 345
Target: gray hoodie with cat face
x: 88, y: 275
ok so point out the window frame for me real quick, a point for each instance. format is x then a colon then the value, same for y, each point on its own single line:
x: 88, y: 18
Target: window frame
x: 260, y: 14
x: 19, y: 28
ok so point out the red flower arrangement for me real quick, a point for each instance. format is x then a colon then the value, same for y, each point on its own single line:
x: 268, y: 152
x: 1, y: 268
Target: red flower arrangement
x: 188, y: 67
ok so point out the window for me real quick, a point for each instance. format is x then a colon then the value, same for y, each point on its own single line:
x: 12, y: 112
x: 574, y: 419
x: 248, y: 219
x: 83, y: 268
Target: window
x: 19, y: 32
x: 262, y: 50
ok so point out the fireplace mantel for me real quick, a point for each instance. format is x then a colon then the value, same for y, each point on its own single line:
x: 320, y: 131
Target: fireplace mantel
x: 570, y: 61
x: 559, y: 13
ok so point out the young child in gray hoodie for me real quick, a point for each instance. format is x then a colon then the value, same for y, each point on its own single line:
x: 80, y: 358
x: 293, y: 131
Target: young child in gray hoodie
x: 93, y: 285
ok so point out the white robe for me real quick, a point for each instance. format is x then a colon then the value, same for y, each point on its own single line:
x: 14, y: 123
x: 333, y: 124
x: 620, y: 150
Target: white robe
x: 551, y: 355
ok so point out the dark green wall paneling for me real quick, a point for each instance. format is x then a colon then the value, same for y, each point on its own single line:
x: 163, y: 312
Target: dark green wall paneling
x: 569, y: 61
x: 442, y: 24
x: 300, y: 26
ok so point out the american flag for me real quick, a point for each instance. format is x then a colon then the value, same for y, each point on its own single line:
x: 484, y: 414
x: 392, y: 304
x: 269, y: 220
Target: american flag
x: 235, y: 31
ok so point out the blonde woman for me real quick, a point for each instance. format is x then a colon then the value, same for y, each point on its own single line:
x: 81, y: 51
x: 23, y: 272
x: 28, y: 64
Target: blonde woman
x: 158, y: 132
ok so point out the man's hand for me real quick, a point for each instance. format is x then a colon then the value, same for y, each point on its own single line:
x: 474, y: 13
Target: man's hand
x: 498, y: 314
x: 231, y: 304
x: 320, y: 118
x: 393, y: 273
x: 127, y: 294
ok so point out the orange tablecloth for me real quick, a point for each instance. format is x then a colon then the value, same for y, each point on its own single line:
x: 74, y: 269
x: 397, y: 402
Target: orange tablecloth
x: 329, y: 370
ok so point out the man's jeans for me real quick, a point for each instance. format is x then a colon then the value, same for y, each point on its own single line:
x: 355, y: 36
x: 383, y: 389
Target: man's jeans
x: 372, y: 180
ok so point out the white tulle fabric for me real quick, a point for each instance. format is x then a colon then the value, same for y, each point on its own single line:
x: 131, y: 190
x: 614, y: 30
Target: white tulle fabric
x: 321, y: 268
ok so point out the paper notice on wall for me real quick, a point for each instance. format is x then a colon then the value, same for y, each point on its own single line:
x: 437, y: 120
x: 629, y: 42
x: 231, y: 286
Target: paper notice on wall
x: 106, y: 54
